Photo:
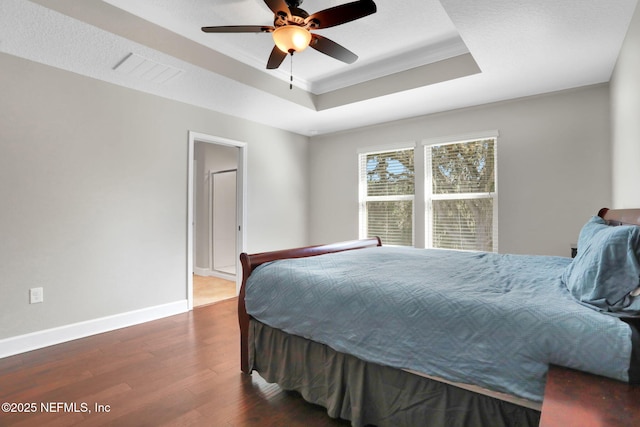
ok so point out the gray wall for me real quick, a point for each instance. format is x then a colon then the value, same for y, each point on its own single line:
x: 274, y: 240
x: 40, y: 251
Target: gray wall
x: 625, y: 119
x: 554, y: 167
x: 93, y: 186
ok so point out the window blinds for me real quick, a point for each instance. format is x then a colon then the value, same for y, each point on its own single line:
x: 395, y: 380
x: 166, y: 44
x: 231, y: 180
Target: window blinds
x: 387, y: 190
x: 460, y: 195
x: 461, y: 190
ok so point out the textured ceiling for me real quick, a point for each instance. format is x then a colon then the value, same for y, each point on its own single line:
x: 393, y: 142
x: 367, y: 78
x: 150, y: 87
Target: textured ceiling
x: 415, y: 57
x: 422, y: 24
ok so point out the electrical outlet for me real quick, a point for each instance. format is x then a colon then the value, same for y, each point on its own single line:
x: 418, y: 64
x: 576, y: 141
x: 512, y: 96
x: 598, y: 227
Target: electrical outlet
x: 36, y: 295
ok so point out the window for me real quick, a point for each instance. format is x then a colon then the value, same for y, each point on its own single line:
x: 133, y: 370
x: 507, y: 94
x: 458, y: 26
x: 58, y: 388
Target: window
x: 460, y: 195
x: 387, y: 196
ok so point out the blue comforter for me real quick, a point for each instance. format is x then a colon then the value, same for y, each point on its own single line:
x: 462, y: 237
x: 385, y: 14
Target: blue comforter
x: 487, y: 319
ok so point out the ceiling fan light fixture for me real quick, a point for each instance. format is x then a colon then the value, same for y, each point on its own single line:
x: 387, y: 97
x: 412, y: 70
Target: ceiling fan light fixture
x: 291, y: 38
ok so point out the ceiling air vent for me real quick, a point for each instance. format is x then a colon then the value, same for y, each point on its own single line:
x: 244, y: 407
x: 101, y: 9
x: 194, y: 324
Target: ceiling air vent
x: 144, y: 68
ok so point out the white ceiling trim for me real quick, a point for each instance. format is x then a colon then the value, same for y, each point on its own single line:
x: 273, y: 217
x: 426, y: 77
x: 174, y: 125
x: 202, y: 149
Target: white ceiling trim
x: 373, y: 69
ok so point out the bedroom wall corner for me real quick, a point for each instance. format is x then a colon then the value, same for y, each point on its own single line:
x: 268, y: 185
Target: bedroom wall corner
x: 625, y: 111
x: 93, y: 183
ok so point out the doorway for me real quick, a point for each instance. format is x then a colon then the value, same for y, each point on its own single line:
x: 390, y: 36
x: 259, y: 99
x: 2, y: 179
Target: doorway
x: 216, y: 218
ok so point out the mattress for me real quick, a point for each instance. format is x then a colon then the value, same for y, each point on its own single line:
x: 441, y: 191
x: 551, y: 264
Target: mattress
x: 492, y: 320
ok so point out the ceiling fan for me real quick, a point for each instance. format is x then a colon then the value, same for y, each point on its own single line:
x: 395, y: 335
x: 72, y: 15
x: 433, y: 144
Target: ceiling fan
x: 292, y: 25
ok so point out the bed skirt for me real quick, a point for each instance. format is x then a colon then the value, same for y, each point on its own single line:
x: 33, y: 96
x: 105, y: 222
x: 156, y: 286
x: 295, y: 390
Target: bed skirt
x: 369, y: 394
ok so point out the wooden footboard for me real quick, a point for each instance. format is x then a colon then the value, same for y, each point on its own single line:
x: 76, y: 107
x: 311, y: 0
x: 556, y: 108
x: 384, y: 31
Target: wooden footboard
x: 250, y: 262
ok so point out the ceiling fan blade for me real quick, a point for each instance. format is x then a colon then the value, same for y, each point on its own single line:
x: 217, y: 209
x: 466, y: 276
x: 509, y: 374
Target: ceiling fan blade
x: 276, y: 58
x: 340, y: 14
x: 239, y: 29
x: 333, y: 49
x: 278, y: 7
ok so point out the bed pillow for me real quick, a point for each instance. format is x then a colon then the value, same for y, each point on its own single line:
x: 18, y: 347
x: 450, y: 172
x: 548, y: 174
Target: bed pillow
x: 606, y: 270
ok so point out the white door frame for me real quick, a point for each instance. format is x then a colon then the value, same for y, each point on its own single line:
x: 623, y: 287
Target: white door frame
x: 242, y: 198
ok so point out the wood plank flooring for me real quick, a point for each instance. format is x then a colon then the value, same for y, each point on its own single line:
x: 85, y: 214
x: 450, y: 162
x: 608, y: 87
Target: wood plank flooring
x: 183, y: 370
x: 209, y: 289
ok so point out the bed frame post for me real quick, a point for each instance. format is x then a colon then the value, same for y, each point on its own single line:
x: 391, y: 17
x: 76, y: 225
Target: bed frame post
x: 243, y: 316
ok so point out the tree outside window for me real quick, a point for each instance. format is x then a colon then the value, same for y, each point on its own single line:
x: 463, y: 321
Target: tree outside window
x: 387, y: 188
x: 461, y: 195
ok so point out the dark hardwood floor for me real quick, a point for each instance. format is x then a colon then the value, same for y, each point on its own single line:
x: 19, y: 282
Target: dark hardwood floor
x: 183, y: 370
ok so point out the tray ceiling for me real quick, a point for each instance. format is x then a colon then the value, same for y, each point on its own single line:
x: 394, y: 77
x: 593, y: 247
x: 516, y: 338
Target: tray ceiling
x: 415, y: 57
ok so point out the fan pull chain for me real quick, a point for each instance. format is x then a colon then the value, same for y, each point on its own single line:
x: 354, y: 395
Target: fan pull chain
x: 291, y: 78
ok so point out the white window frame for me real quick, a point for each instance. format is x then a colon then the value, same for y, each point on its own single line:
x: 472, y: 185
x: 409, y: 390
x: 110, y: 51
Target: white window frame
x: 363, y: 197
x: 428, y: 187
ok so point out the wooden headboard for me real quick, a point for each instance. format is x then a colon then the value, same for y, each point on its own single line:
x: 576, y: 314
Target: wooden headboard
x: 620, y: 216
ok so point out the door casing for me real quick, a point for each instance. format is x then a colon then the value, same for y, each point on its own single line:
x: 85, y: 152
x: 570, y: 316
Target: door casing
x: 241, y: 237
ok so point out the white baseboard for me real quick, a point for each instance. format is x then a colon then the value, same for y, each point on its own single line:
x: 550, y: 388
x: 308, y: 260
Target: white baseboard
x: 36, y: 340
x: 213, y: 273
x: 200, y: 271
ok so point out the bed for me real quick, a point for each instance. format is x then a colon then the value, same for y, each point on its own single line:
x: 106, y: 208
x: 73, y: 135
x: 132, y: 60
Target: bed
x: 392, y: 336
